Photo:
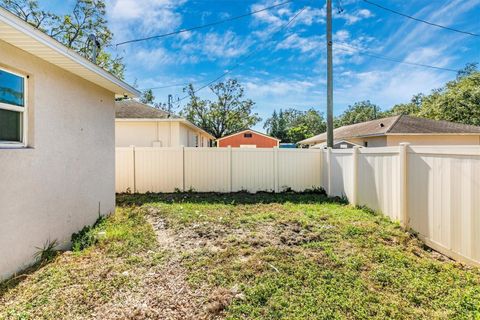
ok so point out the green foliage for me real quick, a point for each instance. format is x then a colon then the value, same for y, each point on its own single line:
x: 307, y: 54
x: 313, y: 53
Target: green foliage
x: 294, y: 125
x: 86, y: 237
x: 358, y: 112
x: 147, y: 97
x: 458, y: 101
x: 73, y: 29
x: 229, y: 113
x: 412, y: 108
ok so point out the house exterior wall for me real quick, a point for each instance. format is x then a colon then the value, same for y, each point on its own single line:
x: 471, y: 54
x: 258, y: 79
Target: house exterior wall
x: 66, y: 177
x: 395, y: 140
x: 140, y: 134
x: 257, y: 140
x: 145, y: 133
x: 434, y: 140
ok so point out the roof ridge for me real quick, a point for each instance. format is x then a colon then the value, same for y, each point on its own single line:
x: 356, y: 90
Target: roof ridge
x: 394, y: 123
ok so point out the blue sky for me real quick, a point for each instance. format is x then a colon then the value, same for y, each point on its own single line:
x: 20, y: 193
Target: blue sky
x: 288, y: 67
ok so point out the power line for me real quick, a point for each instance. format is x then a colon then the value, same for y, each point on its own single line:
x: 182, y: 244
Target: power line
x: 420, y: 20
x: 167, y: 86
x: 205, y: 25
x: 382, y: 57
x: 238, y: 64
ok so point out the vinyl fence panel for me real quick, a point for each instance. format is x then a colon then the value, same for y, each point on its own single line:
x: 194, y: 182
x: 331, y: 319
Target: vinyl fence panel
x: 158, y: 169
x: 299, y: 169
x: 207, y: 169
x: 342, y: 173
x: 253, y: 170
x: 444, y: 198
x: 124, y: 170
x: 379, y: 180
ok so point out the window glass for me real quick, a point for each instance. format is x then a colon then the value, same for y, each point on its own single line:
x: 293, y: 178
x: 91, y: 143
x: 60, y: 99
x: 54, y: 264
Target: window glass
x: 10, y: 126
x: 247, y: 135
x: 11, y: 89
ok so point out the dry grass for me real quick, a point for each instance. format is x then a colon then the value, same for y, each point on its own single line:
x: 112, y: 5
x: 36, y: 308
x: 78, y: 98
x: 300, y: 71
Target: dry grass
x: 288, y: 256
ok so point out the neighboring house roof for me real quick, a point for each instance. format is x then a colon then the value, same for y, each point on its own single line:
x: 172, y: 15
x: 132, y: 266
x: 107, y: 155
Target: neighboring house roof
x: 248, y: 130
x: 132, y: 110
x: 22, y: 35
x: 397, y: 125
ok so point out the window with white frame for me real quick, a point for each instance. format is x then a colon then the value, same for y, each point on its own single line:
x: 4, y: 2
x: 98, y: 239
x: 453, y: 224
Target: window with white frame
x: 13, y: 113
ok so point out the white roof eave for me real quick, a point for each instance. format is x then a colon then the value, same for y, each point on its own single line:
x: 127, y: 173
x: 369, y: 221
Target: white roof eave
x: 22, y: 35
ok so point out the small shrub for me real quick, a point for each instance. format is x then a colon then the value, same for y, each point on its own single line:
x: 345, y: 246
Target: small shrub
x: 86, y: 237
x: 47, y: 252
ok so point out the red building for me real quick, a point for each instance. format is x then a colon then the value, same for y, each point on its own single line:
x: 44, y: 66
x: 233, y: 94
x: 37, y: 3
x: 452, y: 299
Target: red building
x: 248, y: 139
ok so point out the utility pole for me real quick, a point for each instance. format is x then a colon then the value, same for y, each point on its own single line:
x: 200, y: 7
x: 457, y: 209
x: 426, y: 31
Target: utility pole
x: 329, y: 76
x: 170, y: 99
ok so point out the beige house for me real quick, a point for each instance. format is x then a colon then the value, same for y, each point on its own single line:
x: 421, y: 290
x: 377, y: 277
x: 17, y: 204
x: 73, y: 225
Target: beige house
x: 141, y: 125
x: 392, y: 131
x: 57, y: 142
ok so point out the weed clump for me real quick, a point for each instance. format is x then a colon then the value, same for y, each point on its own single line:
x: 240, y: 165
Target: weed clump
x: 86, y: 237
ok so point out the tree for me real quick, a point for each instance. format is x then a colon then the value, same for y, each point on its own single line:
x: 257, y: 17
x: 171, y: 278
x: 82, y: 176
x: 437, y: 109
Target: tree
x: 229, y: 113
x: 412, y: 108
x: 360, y: 112
x: 458, y: 101
x: 293, y: 125
x: 147, y: 97
x: 73, y: 30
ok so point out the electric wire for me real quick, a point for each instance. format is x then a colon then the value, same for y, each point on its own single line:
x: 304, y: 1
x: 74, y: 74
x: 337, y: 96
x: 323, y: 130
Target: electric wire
x: 420, y: 20
x: 204, y: 25
x: 238, y: 64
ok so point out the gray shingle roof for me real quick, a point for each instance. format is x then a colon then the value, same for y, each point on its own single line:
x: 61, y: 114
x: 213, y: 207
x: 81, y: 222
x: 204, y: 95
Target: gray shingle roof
x: 132, y: 109
x: 395, y: 125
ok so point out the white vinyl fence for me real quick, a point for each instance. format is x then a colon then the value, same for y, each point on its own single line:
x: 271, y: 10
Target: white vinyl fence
x: 216, y: 169
x: 435, y: 190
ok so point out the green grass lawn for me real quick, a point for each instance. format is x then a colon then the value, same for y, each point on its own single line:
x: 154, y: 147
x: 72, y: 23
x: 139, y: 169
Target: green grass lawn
x: 264, y: 256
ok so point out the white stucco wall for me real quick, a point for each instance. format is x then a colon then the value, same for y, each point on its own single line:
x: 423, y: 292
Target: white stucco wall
x: 145, y: 133
x: 67, y: 175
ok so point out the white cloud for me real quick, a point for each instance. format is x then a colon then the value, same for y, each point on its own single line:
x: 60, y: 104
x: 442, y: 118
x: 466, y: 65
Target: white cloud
x: 152, y: 59
x: 143, y: 17
x: 227, y: 45
x: 304, y: 44
x: 412, y: 34
x: 387, y: 86
x: 351, y: 18
x: 261, y: 88
x: 277, y: 17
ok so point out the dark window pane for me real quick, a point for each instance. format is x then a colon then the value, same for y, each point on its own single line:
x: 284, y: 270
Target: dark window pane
x: 247, y: 135
x: 11, y: 89
x: 10, y: 125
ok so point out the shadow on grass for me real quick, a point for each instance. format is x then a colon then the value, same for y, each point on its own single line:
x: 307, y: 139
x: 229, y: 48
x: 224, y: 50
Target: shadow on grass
x: 314, y: 196
x: 17, y: 279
